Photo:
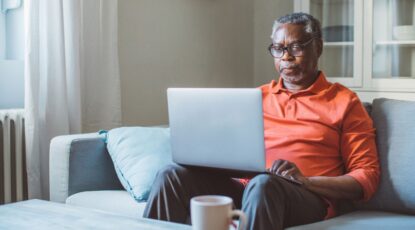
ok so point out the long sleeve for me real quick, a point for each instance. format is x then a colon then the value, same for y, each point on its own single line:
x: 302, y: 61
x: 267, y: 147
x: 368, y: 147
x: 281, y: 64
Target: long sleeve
x: 358, y: 148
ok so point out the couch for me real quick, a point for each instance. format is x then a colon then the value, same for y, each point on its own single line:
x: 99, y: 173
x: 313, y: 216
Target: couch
x: 82, y: 174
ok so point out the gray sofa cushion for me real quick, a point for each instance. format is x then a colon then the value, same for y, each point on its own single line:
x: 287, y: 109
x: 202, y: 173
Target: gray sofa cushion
x: 90, y: 167
x: 363, y: 220
x: 395, y: 136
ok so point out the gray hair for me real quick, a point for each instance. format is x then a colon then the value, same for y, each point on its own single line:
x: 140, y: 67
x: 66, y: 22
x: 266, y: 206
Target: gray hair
x: 311, y: 24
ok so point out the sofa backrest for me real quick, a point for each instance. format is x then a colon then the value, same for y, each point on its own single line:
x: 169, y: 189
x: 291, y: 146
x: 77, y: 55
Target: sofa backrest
x: 395, y: 137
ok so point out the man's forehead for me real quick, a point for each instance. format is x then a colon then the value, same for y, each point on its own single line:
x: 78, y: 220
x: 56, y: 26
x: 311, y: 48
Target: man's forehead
x: 290, y: 32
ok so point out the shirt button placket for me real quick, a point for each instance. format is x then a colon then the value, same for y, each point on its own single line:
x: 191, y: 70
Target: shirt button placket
x: 289, y: 111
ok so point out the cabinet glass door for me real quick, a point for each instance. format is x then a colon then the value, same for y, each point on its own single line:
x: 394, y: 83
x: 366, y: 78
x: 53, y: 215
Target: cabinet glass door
x: 342, y: 57
x: 393, y: 39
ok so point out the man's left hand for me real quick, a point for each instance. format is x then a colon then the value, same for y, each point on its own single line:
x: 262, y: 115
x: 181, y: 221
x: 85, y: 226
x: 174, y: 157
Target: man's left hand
x: 287, y: 169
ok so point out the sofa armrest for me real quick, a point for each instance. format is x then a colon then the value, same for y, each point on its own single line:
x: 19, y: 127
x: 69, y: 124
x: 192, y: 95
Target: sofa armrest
x: 80, y: 163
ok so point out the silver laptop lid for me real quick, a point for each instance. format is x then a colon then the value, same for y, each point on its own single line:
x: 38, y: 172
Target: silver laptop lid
x: 217, y: 128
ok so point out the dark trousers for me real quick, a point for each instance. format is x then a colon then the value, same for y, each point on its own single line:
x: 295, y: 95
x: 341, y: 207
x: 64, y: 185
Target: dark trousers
x: 269, y: 202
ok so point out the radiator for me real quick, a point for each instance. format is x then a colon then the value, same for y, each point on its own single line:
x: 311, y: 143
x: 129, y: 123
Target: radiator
x: 13, y: 175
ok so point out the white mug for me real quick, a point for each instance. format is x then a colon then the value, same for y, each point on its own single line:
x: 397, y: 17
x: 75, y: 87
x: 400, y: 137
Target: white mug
x: 213, y: 212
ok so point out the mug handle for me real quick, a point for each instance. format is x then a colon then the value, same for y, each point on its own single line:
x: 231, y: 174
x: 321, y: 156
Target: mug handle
x: 242, y: 218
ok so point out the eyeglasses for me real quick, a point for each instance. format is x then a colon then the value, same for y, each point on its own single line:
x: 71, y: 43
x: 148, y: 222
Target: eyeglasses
x: 295, y: 49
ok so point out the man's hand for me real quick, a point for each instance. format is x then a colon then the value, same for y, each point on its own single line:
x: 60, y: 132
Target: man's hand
x: 287, y: 169
x: 338, y: 187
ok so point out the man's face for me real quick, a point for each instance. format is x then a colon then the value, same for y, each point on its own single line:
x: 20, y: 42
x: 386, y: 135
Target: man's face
x: 299, y: 71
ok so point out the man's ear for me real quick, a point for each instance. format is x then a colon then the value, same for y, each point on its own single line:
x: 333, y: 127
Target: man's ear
x: 319, y: 46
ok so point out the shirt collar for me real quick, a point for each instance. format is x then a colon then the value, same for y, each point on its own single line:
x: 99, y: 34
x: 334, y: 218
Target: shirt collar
x: 320, y: 84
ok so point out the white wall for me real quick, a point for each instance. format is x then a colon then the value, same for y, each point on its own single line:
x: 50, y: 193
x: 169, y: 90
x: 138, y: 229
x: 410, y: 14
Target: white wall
x: 191, y: 43
x: 265, y: 12
x: 181, y: 43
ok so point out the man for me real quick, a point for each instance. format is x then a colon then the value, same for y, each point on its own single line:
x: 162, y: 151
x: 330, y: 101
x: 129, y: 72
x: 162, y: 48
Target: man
x: 315, y: 132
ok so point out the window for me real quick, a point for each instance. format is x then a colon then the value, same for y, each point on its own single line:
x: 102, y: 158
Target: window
x: 11, y: 54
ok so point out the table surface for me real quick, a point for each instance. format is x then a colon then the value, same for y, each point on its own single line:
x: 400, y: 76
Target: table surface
x: 40, y: 214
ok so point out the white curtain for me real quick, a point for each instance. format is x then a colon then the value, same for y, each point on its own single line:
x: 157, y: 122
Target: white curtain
x: 72, y: 82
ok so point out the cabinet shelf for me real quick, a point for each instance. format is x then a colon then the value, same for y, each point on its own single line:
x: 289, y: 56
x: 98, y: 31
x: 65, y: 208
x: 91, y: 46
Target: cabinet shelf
x: 393, y: 42
x: 338, y: 44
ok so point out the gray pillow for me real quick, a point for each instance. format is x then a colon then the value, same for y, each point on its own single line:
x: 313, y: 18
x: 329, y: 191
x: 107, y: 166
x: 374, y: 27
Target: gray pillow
x: 395, y: 137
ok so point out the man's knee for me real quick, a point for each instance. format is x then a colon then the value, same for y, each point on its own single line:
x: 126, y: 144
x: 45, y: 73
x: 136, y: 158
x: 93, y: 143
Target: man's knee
x: 264, y: 191
x: 263, y: 184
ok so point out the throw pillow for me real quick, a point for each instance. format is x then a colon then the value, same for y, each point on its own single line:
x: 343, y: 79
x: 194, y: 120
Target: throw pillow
x: 138, y: 154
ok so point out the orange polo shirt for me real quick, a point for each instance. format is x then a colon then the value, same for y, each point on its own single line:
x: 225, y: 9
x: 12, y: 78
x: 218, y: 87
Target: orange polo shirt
x: 324, y: 130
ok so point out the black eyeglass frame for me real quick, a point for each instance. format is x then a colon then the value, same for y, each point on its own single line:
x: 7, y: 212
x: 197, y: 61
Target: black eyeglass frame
x: 288, y: 48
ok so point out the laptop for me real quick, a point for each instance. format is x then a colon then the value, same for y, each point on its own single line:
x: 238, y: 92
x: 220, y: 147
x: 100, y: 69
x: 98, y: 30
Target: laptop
x: 219, y: 129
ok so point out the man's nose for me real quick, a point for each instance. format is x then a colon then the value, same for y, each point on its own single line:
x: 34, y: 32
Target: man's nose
x: 286, y: 55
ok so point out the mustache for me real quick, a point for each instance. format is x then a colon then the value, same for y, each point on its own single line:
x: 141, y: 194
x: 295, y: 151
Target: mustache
x: 288, y: 66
